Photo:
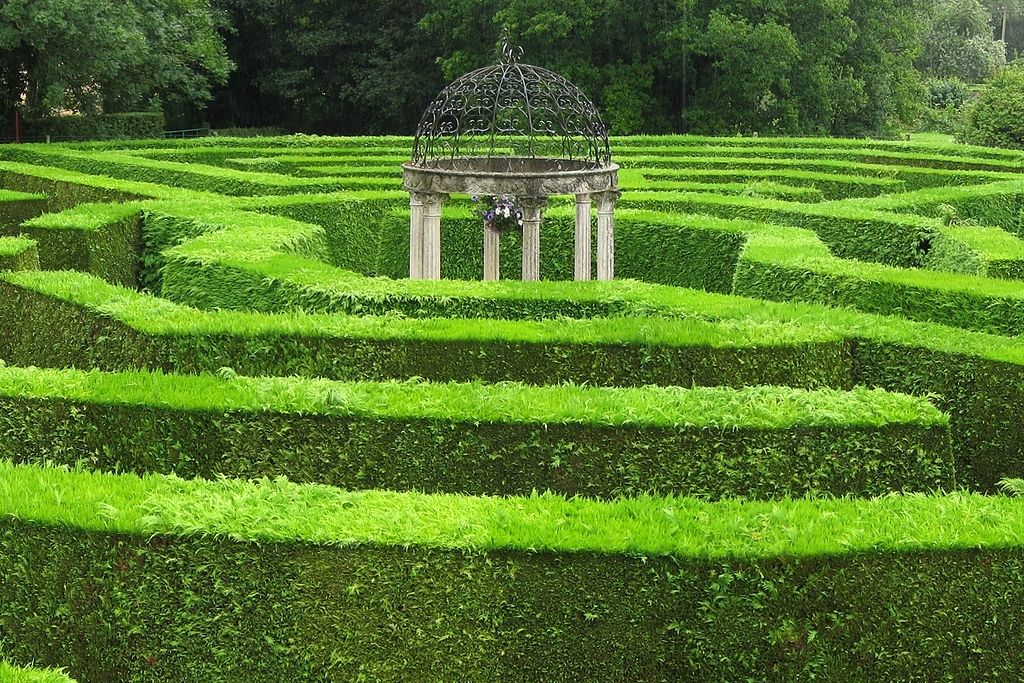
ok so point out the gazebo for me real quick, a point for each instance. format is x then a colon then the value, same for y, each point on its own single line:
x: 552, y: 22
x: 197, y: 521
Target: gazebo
x: 518, y: 131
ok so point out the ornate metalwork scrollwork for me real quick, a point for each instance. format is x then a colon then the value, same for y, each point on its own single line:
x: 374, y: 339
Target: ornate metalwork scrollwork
x: 511, y: 110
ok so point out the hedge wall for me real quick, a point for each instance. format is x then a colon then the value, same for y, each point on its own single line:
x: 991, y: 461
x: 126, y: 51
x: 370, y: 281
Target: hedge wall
x: 18, y: 207
x: 104, y: 240
x: 225, y: 181
x: 126, y: 126
x: 913, y: 177
x: 18, y: 253
x: 786, y: 264
x: 94, y: 325
x: 987, y: 431
x: 481, y: 439
x: 14, y: 674
x: 831, y: 185
x: 229, y: 581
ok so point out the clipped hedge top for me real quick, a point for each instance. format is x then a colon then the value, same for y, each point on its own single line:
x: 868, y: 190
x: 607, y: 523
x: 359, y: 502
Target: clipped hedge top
x: 159, y: 316
x: 85, y: 216
x: 715, y: 407
x: 13, y: 674
x: 12, y: 246
x: 701, y: 318
x: 648, y: 526
x: 13, y: 196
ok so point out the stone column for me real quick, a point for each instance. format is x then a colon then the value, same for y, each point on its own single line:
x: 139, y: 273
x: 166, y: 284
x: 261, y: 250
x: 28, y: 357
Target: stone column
x: 416, y: 204
x: 583, y: 237
x: 606, y: 234
x: 492, y: 253
x: 432, y: 236
x: 533, y: 212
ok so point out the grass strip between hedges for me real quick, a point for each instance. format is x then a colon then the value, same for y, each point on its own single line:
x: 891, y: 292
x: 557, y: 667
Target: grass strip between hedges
x: 282, y: 511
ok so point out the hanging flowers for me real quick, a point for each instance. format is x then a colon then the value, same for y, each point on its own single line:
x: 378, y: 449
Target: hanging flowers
x: 501, y: 213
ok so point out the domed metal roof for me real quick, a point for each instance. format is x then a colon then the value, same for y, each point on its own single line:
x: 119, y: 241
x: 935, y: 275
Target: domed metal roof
x: 511, y: 110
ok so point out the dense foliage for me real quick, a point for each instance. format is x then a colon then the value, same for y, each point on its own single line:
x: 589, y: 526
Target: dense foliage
x: 93, y: 55
x: 780, y: 323
x: 997, y: 117
x: 813, y: 66
x: 803, y: 67
x: 960, y: 44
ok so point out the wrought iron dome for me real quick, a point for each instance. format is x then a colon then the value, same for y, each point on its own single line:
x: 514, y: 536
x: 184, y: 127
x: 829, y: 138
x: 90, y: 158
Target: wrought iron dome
x: 515, y: 115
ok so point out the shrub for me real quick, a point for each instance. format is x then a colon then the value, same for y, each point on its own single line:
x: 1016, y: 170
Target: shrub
x: 997, y: 116
x: 946, y: 100
x: 100, y: 127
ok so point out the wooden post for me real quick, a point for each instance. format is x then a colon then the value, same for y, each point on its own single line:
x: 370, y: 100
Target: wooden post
x: 492, y: 253
x: 533, y: 213
x: 583, y: 237
x: 606, y: 234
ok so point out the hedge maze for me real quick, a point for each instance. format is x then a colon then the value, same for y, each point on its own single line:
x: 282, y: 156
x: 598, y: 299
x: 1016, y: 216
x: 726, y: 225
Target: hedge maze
x: 237, y: 444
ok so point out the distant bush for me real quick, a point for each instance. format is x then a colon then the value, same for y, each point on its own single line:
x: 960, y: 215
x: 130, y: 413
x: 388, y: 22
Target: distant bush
x: 267, y: 131
x: 945, y: 105
x: 997, y: 117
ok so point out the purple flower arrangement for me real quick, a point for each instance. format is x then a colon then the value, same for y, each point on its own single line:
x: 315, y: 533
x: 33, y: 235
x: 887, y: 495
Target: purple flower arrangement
x: 501, y: 213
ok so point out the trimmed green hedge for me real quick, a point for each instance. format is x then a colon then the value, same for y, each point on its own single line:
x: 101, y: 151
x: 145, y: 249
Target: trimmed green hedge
x: 136, y: 168
x: 756, y: 341
x: 850, y: 232
x: 994, y: 204
x: 136, y: 581
x: 956, y: 159
x: 831, y: 185
x: 913, y: 177
x: 102, y: 239
x: 94, y: 325
x: 501, y: 439
x: 17, y: 207
x: 786, y: 264
x: 15, y: 674
x: 18, y: 253
x: 100, y: 126
x: 242, y: 267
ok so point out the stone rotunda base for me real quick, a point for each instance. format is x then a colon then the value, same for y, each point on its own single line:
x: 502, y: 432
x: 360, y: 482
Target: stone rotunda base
x: 531, y: 181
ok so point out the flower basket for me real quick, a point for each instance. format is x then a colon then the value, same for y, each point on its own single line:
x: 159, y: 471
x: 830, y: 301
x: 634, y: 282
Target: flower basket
x: 501, y: 213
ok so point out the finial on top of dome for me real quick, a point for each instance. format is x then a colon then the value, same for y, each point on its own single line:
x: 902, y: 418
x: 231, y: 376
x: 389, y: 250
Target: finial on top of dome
x: 509, y: 54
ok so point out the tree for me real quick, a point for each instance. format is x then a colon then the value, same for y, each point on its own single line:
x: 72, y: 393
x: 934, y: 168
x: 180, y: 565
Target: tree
x: 960, y: 44
x: 93, y: 55
x: 717, y: 66
x: 747, y: 72
x: 997, y: 116
x: 334, y: 66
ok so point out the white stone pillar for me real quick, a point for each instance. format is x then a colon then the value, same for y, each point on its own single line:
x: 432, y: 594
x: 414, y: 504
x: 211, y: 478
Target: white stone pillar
x: 533, y: 212
x: 583, y: 237
x: 416, y: 203
x: 432, y: 236
x: 606, y: 234
x: 492, y: 253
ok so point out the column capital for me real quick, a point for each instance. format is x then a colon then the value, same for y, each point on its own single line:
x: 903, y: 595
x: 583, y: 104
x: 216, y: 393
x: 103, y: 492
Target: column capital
x: 606, y: 200
x: 432, y: 201
x: 538, y: 204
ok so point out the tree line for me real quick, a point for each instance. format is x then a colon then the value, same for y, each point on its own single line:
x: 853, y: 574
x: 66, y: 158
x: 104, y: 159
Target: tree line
x: 829, y: 67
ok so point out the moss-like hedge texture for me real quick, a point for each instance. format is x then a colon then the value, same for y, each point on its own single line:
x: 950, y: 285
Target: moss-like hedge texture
x: 100, y: 126
x: 16, y: 674
x: 228, y: 308
x: 482, y: 439
x: 18, y: 253
x: 398, y: 587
